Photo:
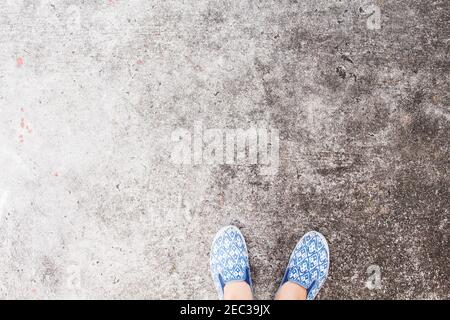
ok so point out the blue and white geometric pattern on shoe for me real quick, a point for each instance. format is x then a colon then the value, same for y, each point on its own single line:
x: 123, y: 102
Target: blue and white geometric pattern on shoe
x: 229, y: 259
x: 309, y: 263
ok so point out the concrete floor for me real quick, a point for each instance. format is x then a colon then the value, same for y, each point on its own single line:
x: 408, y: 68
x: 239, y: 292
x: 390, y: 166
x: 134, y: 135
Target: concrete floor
x: 91, y: 205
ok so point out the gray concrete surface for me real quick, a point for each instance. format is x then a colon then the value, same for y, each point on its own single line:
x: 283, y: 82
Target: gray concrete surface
x: 91, y: 205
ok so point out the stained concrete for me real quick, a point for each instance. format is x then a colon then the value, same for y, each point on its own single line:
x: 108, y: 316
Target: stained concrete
x: 91, y: 206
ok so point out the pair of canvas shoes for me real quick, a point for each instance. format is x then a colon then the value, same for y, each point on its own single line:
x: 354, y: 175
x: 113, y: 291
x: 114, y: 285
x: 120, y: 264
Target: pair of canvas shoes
x: 308, y: 265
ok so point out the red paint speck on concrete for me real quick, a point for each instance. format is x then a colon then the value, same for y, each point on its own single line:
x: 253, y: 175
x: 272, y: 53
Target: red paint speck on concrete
x: 21, y: 138
x: 56, y: 174
x: 19, y: 61
x: 22, y: 123
x: 140, y: 61
x: 22, y: 110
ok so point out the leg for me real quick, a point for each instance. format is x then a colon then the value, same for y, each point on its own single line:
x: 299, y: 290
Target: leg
x: 291, y: 291
x: 239, y: 290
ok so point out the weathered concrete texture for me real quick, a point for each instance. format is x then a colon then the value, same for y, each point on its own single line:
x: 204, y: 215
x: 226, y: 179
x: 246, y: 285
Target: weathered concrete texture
x: 92, y: 207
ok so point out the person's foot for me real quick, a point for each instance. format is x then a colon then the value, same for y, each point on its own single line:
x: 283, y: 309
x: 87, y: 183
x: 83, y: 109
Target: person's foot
x: 230, y: 268
x: 307, y: 269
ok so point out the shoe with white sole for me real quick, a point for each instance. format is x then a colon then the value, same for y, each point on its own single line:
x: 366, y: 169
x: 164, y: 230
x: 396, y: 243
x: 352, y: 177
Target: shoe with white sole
x: 309, y: 264
x: 229, y: 259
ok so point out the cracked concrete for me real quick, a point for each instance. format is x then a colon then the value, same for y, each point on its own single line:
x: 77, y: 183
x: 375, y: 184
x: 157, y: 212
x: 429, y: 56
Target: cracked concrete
x: 90, y: 92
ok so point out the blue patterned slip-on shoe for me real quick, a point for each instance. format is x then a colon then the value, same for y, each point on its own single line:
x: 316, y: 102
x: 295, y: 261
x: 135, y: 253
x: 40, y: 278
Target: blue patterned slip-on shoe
x: 309, y: 263
x: 229, y: 259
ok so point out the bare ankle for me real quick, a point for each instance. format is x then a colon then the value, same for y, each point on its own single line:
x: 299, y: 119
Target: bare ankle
x: 239, y: 290
x: 291, y: 291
